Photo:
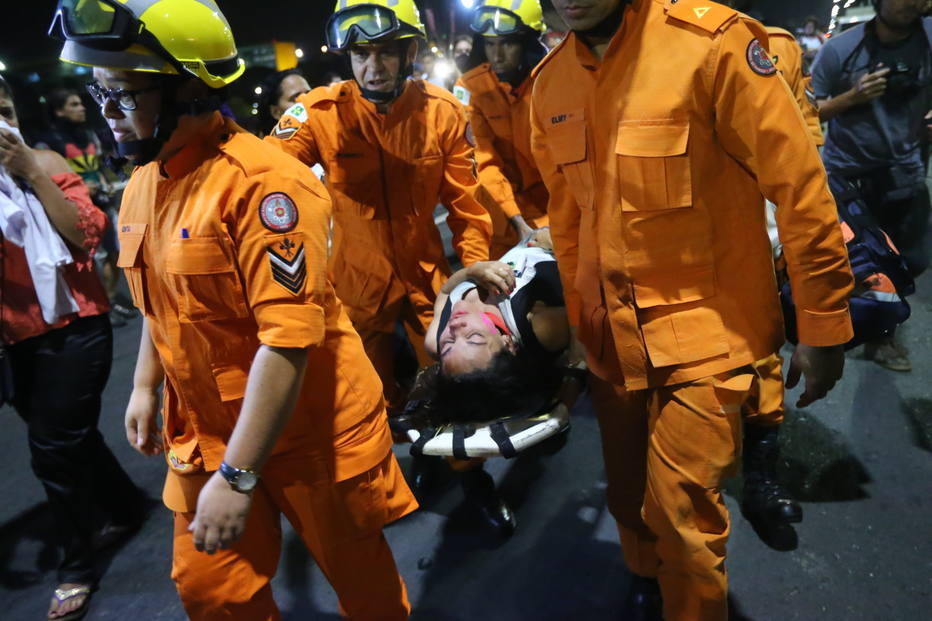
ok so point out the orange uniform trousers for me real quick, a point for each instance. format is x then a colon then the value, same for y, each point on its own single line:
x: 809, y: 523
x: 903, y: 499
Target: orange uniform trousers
x: 765, y: 404
x: 666, y: 452
x: 339, y: 522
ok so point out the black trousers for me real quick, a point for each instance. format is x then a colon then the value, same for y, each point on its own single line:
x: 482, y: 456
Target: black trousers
x: 59, y: 377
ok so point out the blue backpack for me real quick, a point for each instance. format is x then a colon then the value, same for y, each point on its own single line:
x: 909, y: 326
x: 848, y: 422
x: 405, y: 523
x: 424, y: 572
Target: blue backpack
x: 882, y: 280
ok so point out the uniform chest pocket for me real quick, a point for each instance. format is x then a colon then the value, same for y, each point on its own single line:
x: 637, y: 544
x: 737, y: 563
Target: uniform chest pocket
x: 205, y: 280
x: 355, y: 178
x: 570, y: 151
x: 653, y: 165
x: 132, y: 240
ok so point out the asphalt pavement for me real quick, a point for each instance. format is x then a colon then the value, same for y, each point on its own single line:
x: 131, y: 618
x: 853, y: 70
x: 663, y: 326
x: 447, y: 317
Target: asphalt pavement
x: 859, y: 461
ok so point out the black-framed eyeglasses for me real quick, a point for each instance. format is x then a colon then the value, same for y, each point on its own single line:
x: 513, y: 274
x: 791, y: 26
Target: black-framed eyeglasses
x: 124, y: 99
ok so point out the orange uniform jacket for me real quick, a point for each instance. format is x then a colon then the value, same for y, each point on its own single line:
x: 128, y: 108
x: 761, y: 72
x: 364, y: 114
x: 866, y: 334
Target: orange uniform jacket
x: 386, y: 174
x: 224, y: 252
x: 501, y: 121
x: 656, y: 159
x: 788, y: 57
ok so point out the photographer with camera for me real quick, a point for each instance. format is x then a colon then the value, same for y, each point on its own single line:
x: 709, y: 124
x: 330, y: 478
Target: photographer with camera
x: 873, y: 84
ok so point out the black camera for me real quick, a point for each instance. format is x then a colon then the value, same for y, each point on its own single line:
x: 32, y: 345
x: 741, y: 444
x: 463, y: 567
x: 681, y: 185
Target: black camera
x: 903, y: 79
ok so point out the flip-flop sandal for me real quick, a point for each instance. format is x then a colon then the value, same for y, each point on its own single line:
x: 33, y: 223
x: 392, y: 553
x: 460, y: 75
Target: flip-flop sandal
x: 63, y: 595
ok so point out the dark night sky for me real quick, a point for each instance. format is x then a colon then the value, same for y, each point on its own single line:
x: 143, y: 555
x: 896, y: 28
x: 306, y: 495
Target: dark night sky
x: 23, y: 38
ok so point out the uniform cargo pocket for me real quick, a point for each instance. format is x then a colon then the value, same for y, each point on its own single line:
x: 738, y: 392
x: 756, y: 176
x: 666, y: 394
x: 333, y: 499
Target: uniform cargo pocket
x: 570, y: 151
x: 205, y: 280
x: 653, y: 165
x: 231, y: 382
x: 132, y: 238
x: 684, y: 336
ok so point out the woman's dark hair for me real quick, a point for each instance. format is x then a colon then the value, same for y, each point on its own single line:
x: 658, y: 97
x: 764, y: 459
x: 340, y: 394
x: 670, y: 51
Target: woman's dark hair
x: 512, y: 386
x: 58, y: 97
x: 534, y: 52
x: 271, y: 92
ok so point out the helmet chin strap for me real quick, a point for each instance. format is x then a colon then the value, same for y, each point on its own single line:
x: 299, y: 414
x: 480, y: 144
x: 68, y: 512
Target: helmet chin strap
x: 382, y: 97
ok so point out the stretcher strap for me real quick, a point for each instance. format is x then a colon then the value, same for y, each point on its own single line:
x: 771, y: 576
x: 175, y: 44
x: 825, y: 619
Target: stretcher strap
x: 427, y: 434
x: 459, y: 442
x: 500, y: 435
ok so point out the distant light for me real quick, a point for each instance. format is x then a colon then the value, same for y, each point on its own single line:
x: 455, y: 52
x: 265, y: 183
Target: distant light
x: 41, y: 98
x: 254, y: 111
x: 468, y: 4
x: 435, y: 49
x: 323, y: 48
x: 81, y: 70
x: 258, y: 90
x: 33, y: 77
x: 443, y: 69
x: 2, y: 66
x: 299, y: 52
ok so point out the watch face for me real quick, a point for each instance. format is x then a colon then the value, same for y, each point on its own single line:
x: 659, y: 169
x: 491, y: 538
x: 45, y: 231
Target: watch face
x: 246, y: 481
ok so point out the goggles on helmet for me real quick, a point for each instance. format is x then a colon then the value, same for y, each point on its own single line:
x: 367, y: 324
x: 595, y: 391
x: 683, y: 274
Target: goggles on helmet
x: 494, y: 20
x: 108, y: 25
x: 105, y: 25
x: 365, y: 23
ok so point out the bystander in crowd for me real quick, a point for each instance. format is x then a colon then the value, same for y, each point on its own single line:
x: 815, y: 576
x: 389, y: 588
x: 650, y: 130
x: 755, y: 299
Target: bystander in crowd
x: 873, y: 84
x: 57, y: 343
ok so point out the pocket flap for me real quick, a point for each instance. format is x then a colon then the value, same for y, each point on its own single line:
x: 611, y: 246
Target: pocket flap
x: 131, y: 237
x: 198, y: 255
x: 685, y: 336
x: 567, y: 140
x: 231, y: 382
x: 666, y: 139
x: 678, y: 286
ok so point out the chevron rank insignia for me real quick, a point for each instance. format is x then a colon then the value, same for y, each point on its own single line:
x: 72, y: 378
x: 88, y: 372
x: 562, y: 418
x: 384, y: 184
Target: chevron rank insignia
x: 288, y: 263
x: 287, y: 127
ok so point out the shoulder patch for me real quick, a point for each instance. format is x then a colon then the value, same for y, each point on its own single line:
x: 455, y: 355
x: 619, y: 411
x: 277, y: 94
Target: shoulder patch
x: 278, y: 212
x: 759, y: 60
x: 708, y: 16
x: 298, y: 111
x: 462, y: 94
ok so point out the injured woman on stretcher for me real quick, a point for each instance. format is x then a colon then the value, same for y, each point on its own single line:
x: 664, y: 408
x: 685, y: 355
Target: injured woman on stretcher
x: 502, y: 382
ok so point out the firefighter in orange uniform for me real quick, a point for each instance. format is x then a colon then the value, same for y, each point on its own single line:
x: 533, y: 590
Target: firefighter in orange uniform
x: 392, y: 149
x: 655, y: 208
x: 270, y: 405
x: 497, y: 92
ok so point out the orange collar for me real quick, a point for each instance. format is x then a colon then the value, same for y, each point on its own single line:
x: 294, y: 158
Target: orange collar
x: 200, y: 142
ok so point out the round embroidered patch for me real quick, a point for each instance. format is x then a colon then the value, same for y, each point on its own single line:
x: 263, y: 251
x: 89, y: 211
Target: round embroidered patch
x: 759, y: 59
x: 278, y: 212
